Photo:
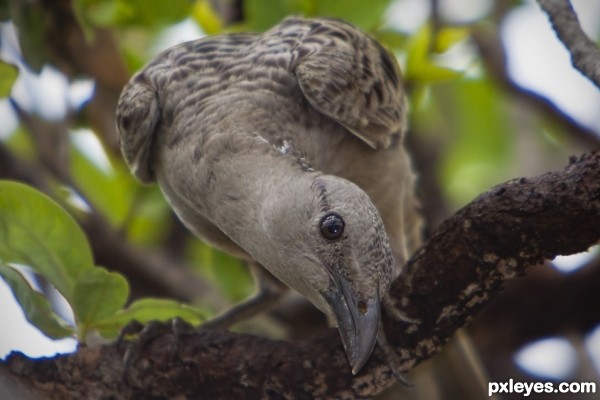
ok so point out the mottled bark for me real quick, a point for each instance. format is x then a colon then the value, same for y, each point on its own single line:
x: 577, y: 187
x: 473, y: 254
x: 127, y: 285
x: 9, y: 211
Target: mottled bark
x: 496, y: 237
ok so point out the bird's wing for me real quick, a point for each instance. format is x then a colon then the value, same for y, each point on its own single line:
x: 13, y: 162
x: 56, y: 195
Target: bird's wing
x: 138, y: 116
x: 349, y: 77
x: 144, y: 107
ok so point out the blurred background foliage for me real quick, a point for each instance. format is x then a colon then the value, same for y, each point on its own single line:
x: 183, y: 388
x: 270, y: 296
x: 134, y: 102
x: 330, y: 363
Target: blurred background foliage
x: 64, y: 62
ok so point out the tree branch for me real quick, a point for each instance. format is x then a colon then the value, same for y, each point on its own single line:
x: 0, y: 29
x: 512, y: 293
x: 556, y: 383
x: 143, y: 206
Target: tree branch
x: 495, y: 238
x: 494, y: 57
x: 585, y: 55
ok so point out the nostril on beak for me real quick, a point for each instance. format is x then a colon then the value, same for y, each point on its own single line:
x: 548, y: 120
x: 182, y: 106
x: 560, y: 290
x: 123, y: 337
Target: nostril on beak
x: 362, y: 307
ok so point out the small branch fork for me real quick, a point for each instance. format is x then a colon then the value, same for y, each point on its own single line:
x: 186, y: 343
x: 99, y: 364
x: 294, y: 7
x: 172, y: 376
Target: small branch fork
x: 585, y: 54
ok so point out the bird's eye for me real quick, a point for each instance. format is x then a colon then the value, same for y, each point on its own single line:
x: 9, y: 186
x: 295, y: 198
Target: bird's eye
x: 331, y: 226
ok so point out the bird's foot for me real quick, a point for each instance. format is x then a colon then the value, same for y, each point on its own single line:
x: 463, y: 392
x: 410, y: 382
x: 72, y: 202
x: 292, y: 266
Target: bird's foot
x: 144, y: 334
x: 270, y: 291
x: 390, y: 357
x: 249, y: 308
x: 393, y: 311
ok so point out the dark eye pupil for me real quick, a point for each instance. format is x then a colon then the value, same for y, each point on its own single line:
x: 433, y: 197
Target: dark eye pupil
x: 332, y: 226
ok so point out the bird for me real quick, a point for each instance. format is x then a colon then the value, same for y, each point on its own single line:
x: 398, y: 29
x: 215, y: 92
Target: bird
x: 285, y: 149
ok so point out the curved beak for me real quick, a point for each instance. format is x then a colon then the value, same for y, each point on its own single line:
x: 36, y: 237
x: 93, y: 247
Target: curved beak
x: 358, y: 321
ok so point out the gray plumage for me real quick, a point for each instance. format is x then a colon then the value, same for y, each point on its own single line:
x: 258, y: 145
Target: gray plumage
x: 255, y: 140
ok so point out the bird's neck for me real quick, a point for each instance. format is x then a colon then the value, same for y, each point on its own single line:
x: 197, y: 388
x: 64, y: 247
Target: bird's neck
x: 245, y: 186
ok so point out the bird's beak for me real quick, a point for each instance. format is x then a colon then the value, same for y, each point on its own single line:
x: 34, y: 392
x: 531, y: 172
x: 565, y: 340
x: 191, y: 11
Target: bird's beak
x: 358, y: 321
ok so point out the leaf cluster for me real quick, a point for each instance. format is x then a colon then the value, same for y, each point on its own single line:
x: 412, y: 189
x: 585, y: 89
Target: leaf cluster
x: 37, y: 233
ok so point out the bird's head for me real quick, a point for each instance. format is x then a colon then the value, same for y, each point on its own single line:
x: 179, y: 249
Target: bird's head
x: 334, y: 250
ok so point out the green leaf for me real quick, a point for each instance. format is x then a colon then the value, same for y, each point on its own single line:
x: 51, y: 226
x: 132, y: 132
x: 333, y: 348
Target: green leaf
x: 480, y: 154
x: 431, y: 74
x: 98, y: 294
x: 392, y: 39
x: 231, y: 276
x: 109, y: 191
x: 32, y: 24
x: 36, y: 307
x: 37, y: 232
x: 146, y: 310
x: 128, y: 13
x: 420, y: 68
x: 150, y: 216
x: 21, y: 143
x: 207, y: 17
x: 260, y: 15
x: 8, y: 76
x: 133, y: 55
x: 419, y: 45
x: 364, y: 14
x: 448, y: 37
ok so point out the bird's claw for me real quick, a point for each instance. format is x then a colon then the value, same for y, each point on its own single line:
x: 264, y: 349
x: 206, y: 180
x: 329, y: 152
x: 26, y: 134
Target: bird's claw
x: 391, y: 358
x: 146, y: 334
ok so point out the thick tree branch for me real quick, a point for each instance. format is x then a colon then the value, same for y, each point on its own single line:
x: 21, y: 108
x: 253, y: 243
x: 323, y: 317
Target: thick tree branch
x: 496, y: 237
x: 585, y: 55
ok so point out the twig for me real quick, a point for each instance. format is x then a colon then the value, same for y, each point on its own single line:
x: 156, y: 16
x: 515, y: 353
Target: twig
x: 585, y: 55
x: 493, y: 56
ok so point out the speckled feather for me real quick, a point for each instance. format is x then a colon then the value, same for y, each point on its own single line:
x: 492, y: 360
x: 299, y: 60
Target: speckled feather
x: 209, y: 119
x: 305, y: 80
x: 342, y: 73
